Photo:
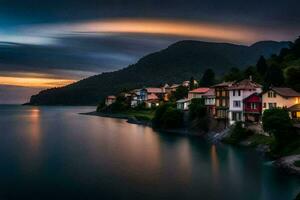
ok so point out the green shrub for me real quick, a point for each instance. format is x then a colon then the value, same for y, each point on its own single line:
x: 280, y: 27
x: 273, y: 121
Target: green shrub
x: 297, y: 163
x: 100, y: 106
x: 167, y: 116
x: 197, y: 109
x: 238, y: 133
x: 141, y: 106
x: 278, y: 123
x: 298, y: 197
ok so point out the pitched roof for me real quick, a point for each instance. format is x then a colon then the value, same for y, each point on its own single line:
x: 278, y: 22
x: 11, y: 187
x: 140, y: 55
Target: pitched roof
x: 173, y: 86
x: 295, y: 107
x: 154, y: 90
x: 224, y: 84
x: 152, y: 96
x: 285, y: 91
x: 245, y: 84
x: 209, y: 93
x: 200, y: 90
x: 254, y: 94
x: 111, y: 97
x: 183, y: 100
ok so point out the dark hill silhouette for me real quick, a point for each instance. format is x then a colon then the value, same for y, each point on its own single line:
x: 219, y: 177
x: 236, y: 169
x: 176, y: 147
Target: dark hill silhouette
x: 174, y: 64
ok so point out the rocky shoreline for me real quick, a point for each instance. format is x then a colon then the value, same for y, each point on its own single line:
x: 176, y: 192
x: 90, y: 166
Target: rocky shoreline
x: 286, y: 164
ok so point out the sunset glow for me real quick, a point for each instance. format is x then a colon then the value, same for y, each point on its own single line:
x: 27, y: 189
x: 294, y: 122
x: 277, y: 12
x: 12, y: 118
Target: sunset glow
x: 156, y: 27
x: 34, y: 82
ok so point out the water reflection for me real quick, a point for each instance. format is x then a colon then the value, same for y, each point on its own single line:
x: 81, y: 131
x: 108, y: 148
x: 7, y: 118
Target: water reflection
x: 32, y: 141
x: 83, y: 157
x: 214, y: 164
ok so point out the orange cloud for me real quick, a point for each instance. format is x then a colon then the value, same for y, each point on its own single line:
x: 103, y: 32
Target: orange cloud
x: 34, y: 82
x: 167, y: 27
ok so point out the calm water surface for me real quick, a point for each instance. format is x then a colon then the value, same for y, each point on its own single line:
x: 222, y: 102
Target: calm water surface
x: 55, y: 153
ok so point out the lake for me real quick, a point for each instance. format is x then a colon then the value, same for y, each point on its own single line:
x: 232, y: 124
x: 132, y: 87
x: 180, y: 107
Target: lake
x: 55, y: 153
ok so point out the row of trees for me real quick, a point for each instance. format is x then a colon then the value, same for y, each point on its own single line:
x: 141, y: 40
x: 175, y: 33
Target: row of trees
x: 278, y: 70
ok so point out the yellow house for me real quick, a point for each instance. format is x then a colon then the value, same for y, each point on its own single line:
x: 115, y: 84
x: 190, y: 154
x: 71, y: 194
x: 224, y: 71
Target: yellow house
x: 281, y: 97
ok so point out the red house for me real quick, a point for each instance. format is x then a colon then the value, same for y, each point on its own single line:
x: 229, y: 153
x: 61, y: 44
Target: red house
x: 252, y: 107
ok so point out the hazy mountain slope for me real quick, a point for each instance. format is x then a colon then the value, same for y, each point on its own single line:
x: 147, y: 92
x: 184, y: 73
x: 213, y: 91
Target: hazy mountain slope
x: 176, y: 63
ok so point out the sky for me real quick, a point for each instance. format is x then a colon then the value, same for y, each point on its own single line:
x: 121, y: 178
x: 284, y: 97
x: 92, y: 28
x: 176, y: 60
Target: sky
x: 51, y: 43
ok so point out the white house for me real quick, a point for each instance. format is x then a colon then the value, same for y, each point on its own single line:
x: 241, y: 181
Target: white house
x: 183, y: 104
x: 238, y: 91
x: 197, y: 93
x: 281, y: 97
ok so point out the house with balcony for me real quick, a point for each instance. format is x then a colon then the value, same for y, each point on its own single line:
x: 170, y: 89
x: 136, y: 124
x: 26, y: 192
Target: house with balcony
x: 222, y: 100
x: 210, y: 101
x: 252, y: 108
x: 238, y: 92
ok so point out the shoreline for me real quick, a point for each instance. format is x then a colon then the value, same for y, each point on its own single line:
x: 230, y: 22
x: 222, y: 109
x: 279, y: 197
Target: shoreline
x: 286, y: 164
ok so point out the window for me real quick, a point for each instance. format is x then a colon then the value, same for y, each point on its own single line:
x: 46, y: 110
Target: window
x: 272, y: 105
x: 271, y: 94
x: 233, y: 93
x: 217, y: 102
x: 253, y: 106
x: 236, y: 104
x: 223, y: 93
x: 223, y: 102
x: 265, y: 105
x: 239, y: 92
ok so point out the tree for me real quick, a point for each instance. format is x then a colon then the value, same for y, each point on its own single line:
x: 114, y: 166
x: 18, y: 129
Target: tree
x: 292, y: 78
x: 119, y: 105
x: 298, y: 197
x: 198, y: 114
x: 208, y: 78
x: 180, y: 93
x: 274, y: 76
x: 233, y: 75
x: 277, y: 122
x: 192, y: 83
x: 167, y: 116
x: 238, y: 133
x: 261, y: 66
x: 295, y: 47
x: 251, y: 71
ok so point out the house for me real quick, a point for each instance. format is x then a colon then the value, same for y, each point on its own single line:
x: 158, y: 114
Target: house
x: 172, y: 88
x: 252, y: 108
x: 183, y: 104
x: 281, y: 97
x: 222, y: 99
x: 210, y: 101
x: 239, y: 91
x: 187, y: 83
x: 295, y: 111
x: 197, y: 93
x: 110, y: 100
x: 151, y: 96
x: 135, y: 97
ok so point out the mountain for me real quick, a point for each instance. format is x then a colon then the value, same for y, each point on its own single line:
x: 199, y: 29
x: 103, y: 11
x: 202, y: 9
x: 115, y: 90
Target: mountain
x: 174, y: 64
